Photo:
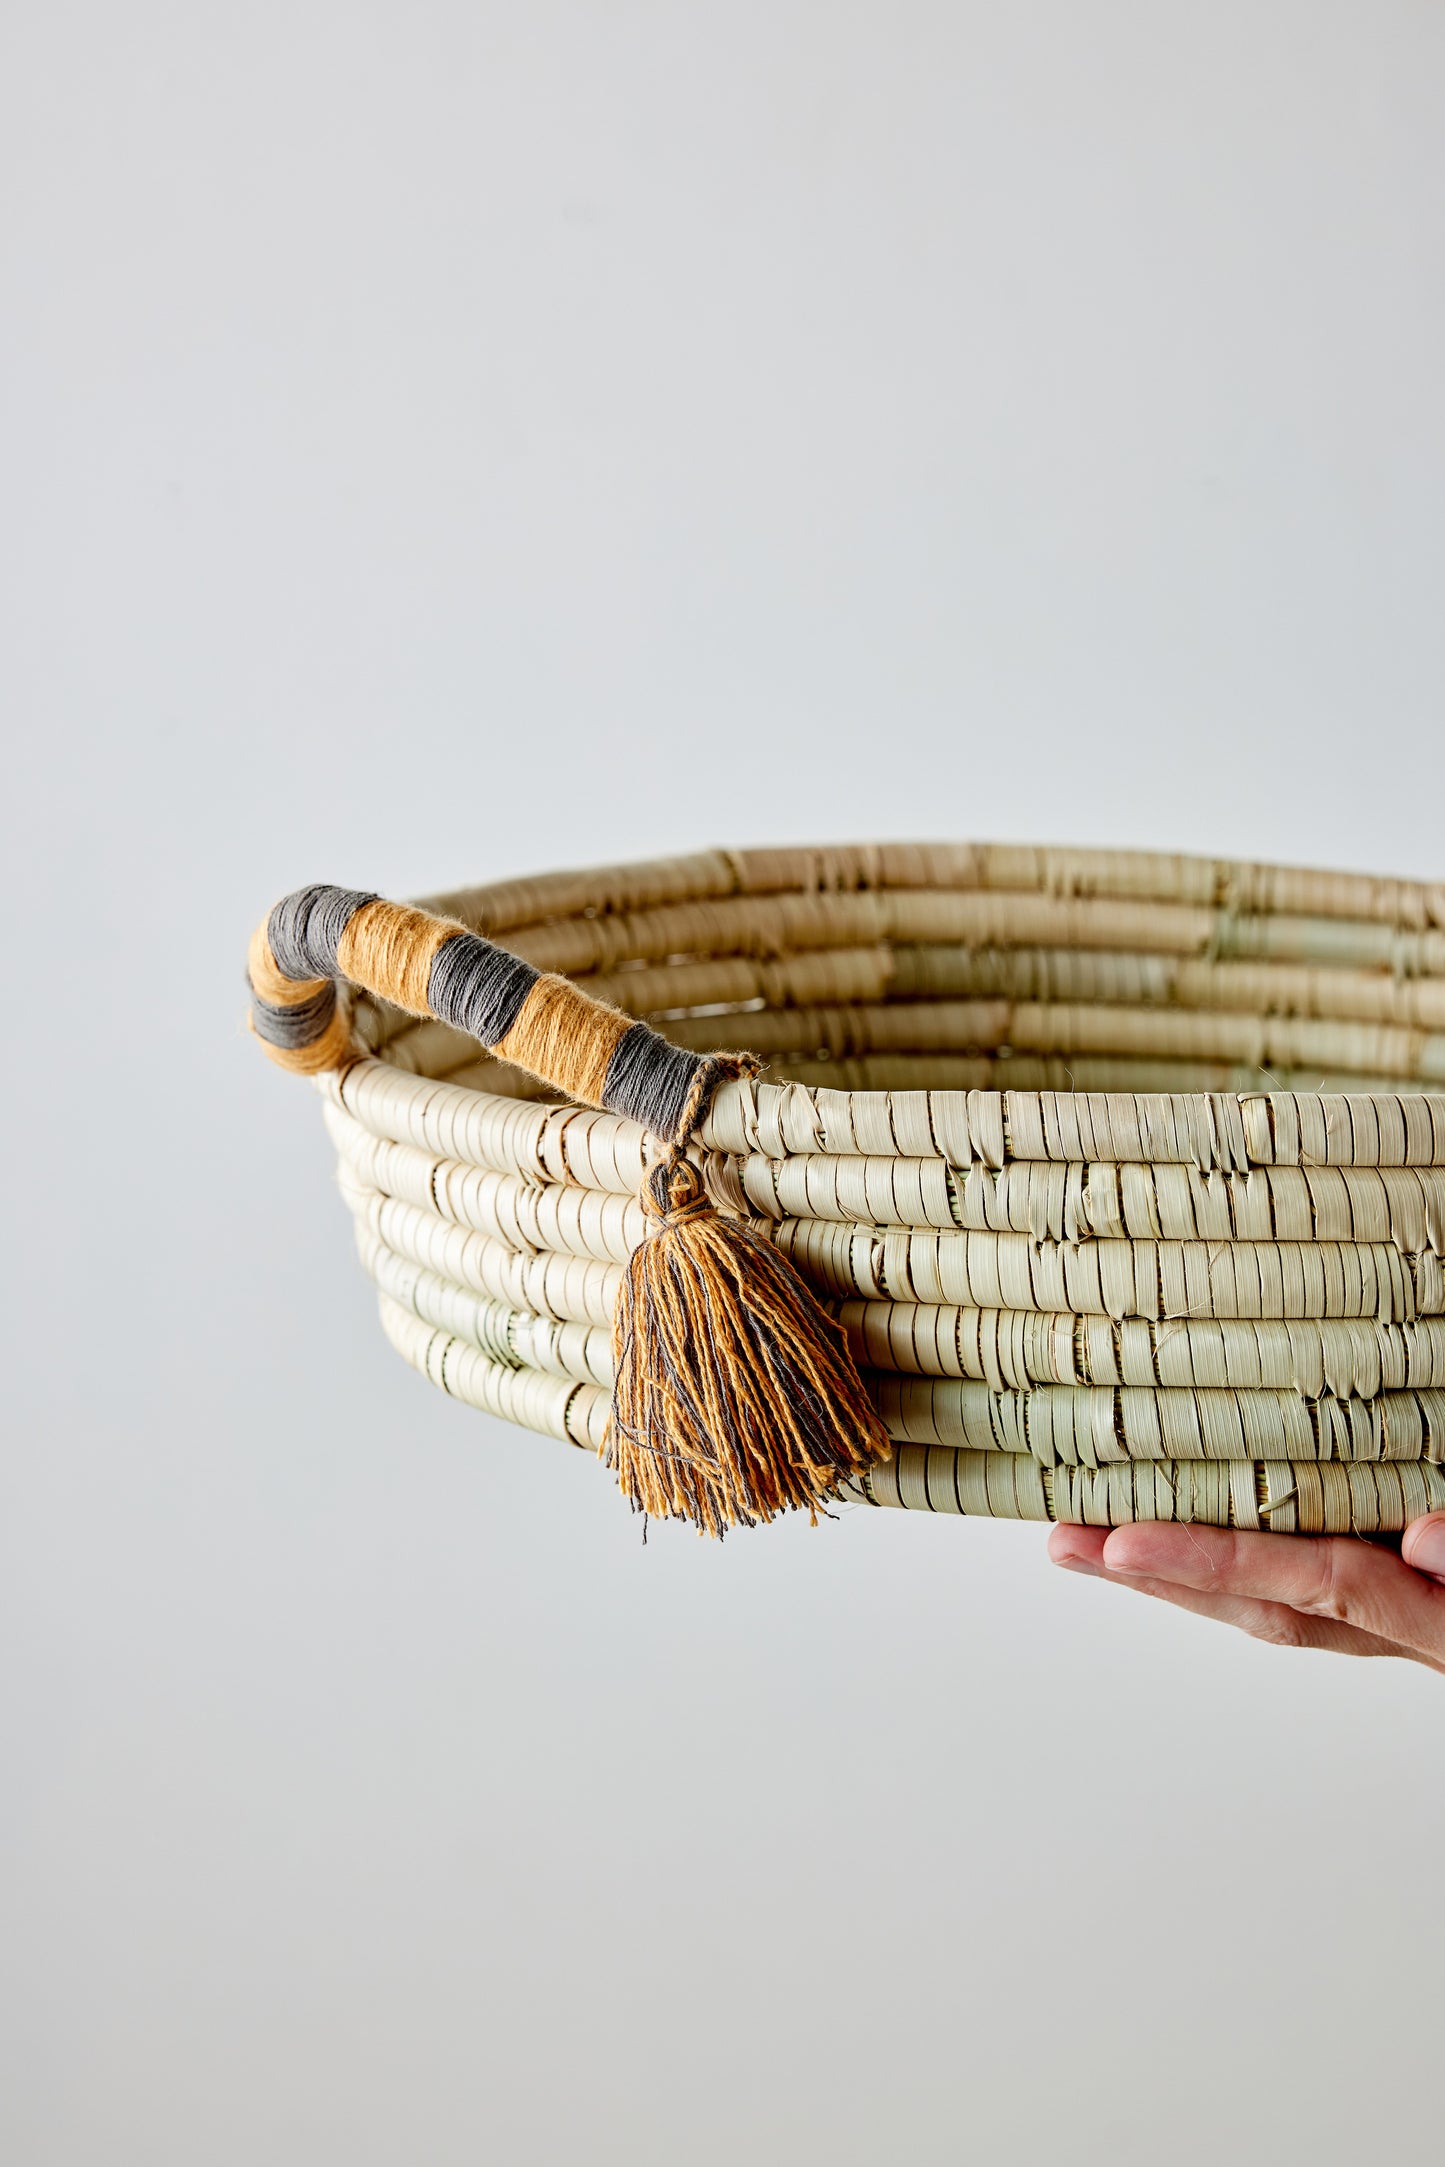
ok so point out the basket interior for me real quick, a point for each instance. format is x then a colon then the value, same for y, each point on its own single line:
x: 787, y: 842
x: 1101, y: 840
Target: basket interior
x: 982, y: 967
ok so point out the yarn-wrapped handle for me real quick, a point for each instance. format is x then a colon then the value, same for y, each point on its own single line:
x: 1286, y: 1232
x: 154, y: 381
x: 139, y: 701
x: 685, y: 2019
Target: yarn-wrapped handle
x: 432, y: 966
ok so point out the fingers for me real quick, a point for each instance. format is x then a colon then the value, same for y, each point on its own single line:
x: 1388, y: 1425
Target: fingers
x: 1293, y: 1591
x: 1080, y: 1548
x: 1337, y: 1577
x: 1424, y: 1545
x: 1275, y: 1623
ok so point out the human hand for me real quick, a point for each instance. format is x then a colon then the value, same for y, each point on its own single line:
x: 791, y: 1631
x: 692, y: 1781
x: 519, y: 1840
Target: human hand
x: 1297, y: 1591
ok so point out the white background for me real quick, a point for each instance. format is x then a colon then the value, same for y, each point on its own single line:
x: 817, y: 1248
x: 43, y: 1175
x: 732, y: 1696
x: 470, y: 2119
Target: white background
x: 449, y: 439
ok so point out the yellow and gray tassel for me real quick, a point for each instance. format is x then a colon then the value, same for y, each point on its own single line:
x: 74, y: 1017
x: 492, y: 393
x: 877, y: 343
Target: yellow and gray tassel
x: 736, y: 1397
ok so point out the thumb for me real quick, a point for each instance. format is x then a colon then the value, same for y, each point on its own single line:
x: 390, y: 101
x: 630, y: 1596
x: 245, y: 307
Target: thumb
x: 1423, y: 1546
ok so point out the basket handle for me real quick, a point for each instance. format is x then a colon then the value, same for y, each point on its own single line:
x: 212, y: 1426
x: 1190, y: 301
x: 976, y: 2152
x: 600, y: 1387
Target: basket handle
x: 432, y: 966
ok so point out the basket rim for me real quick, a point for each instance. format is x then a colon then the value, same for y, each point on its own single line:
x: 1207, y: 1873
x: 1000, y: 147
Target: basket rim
x: 1409, y: 902
x: 1217, y: 1125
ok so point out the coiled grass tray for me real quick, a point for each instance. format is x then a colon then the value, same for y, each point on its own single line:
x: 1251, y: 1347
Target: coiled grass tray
x: 1124, y: 1172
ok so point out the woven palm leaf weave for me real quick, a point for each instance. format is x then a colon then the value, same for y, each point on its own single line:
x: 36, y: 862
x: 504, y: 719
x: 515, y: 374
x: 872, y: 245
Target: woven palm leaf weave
x: 1124, y: 1172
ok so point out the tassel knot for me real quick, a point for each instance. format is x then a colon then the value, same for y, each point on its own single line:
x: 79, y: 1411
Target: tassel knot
x: 672, y: 1191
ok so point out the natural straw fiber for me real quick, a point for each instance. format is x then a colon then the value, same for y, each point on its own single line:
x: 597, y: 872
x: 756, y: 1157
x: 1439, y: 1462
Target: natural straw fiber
x: 1123, y: 1174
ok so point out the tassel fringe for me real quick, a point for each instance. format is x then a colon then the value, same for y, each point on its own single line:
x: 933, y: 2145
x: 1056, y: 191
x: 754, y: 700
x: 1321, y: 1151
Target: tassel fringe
x: 736, y: 1397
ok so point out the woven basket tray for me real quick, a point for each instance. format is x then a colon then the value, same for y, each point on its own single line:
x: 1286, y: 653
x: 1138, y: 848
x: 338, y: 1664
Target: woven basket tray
x: 1124, y: 1172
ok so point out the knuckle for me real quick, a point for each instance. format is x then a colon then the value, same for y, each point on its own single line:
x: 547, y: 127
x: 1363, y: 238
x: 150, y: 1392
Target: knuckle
x: 1281, y: 1629
x: 1331, y: 1594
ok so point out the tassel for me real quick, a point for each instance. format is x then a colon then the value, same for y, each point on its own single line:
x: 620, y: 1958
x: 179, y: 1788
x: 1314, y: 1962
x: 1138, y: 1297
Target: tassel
x: 736, y: 1397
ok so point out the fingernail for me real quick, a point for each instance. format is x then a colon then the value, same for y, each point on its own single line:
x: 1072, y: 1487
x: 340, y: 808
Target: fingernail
x: 1427, y: 1551
x: 1078, y: 1565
